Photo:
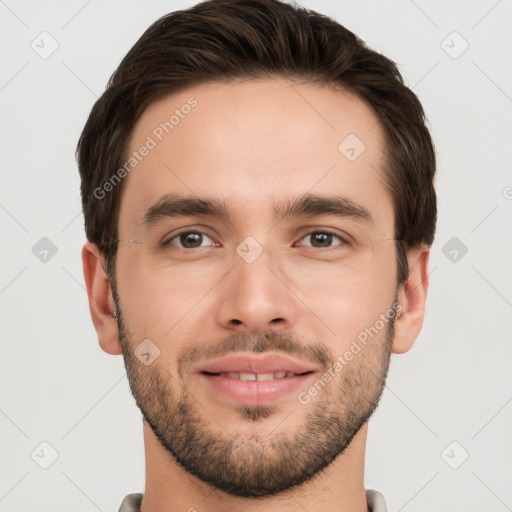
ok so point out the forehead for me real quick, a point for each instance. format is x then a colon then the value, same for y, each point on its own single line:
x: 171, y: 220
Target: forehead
x: 254, y: 143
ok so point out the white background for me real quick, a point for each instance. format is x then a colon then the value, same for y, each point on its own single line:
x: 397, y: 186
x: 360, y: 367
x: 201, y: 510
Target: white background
x: 58, y: 386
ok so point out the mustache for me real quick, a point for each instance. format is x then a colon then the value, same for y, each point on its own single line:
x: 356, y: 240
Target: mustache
x: 271, y: 341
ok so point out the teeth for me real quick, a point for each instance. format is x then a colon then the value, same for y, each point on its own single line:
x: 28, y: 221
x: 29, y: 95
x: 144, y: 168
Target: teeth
x: 247, y: 376
x: 264, y: 376
x: 281, y: 374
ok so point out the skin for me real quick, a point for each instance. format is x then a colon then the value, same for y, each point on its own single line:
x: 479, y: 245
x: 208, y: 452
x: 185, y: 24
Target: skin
x: 256, y: 143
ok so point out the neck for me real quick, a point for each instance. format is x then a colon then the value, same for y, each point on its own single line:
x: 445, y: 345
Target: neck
x: 339, y: 488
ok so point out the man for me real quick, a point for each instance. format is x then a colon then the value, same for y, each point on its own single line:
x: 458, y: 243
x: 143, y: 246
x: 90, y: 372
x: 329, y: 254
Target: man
x: 259, y: 204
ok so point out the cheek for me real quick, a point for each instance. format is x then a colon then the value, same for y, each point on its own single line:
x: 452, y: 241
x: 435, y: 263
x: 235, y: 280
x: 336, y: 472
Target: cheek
x: 161, y: 305
x: 349, y: 306
x: 141, y: 296
x: 173, y: 302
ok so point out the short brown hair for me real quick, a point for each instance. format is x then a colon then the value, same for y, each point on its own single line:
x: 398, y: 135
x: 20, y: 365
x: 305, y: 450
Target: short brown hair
x: 225, y: 40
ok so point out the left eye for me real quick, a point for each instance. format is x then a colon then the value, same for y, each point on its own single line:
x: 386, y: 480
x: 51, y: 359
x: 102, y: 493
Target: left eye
x: 189, y: 239
x: 322, y: 239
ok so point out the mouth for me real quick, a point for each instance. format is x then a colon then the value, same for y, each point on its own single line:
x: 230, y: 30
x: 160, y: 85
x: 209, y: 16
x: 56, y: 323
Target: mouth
x: 254, y: 379
x: 247, y: 377
x: 250, y: 367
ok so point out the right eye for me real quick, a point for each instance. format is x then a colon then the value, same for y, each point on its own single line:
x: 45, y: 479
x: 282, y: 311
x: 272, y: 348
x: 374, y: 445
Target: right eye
x: 188, y: 240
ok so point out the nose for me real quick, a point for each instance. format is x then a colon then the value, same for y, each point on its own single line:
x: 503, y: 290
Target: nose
x: 254, y: 297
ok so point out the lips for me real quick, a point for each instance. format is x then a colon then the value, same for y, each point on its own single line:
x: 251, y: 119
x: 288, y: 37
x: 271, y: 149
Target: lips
x: 281, y: 374
x: 247, y: 365
x: 255, y: 379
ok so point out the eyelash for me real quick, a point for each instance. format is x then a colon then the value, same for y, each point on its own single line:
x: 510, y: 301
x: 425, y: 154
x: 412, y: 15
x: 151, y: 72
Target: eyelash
x: 322, y: 231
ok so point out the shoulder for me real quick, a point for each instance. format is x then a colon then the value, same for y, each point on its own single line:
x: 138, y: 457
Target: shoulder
x: 376, y: 501
x: 131, y: 503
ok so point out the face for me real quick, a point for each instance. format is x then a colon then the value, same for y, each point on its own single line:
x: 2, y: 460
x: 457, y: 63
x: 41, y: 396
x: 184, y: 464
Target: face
x: 257, y: 260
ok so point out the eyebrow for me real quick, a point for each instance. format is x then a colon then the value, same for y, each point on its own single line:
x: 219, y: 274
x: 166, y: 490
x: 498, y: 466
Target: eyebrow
x: 309, y: 205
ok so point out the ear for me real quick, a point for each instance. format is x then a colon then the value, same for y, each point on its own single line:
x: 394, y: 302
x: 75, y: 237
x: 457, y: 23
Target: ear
x: 101, y: 302
x: 412, y: 296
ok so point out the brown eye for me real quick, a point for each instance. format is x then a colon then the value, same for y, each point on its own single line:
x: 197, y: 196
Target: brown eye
x: 323, y: 239
x: 188, y: 240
